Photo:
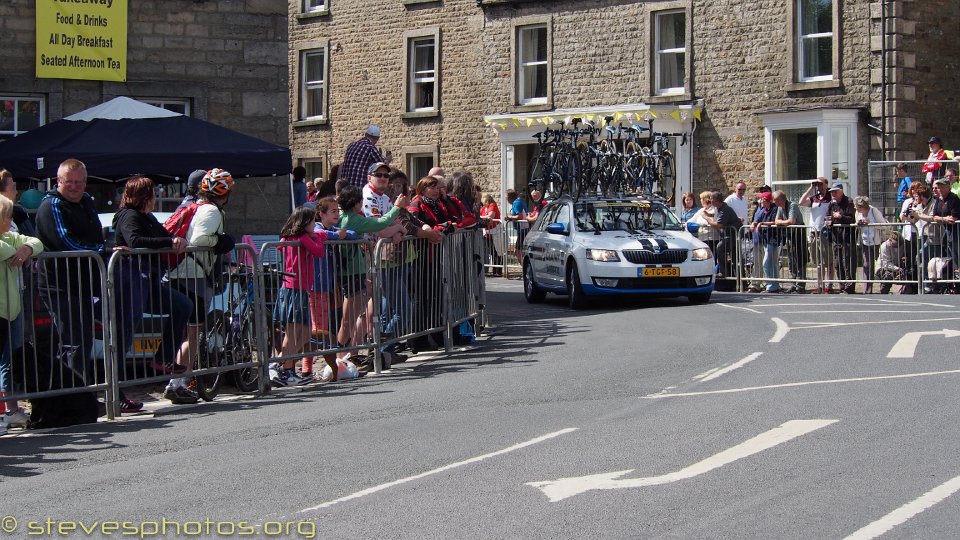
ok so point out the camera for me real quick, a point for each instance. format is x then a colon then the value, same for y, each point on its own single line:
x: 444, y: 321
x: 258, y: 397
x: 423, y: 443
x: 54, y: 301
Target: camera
x: 449, y: 228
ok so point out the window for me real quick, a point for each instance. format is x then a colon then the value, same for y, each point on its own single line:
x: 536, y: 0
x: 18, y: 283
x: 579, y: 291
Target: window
x: 314, y: 168
x: 670, y: 52
x: 815, y: 47
x: 315, y: 6
x: 313, y: 87
x: 181, y: 106
x: 532, y: 64
x: 801, y: 146
x: 418, y: 166
x: 20, y: 114
x: 422, y: 51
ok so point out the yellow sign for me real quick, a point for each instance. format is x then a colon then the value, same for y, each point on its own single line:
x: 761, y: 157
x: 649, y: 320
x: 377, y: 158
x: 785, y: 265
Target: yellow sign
x: 82, y: 39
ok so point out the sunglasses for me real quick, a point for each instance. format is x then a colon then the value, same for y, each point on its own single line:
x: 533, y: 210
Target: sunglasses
x: 380, y: 175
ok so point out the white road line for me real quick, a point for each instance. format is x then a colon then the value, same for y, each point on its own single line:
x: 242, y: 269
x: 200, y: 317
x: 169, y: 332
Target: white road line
x: 911, y: 303
x: 476, y: 459
x: 705, y: 373
x: 906, y: 346
x: 557, y: 490
x: 821, y: 324
x: 869, y: 311
x: 731, y: 367
x: 805, y: 383
x: 907, y: 511
x: 739, y: 307
x: 782, y: 329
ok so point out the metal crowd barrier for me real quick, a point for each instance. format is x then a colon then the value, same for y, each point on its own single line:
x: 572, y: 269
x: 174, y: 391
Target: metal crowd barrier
x: 51, y: 343
x: 869, y: 257
x: 496, y: 242
x: 883, y: 183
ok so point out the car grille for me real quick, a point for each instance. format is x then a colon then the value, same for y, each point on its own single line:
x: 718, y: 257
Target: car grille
x: 668, y: 256
x: 656, y: 283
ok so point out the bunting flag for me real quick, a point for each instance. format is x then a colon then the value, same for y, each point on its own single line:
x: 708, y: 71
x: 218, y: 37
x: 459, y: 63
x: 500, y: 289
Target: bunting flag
x: 516, y: 122
x: 696, y: 114
x: 680, y: 114
x: 676, y: 115
x: 529, y: 121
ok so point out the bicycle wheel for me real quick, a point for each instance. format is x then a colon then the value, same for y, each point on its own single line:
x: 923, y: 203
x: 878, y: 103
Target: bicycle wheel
x: 666, y: 177
x: 245, y: 379
x: 212, y: 355
x: 535, y: 175
x: 570, y: 174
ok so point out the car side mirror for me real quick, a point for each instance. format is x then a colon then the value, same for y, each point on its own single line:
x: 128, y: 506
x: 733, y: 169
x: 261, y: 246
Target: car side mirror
x: 557, y: 228
x: 692, y: 227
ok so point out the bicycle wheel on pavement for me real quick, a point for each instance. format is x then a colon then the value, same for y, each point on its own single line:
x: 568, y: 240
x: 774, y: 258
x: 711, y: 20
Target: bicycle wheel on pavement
x: 211, y: 354
x: 245, y: 379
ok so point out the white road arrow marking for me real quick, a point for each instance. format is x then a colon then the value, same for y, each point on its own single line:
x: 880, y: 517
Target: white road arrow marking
x: 557, y: 490
x: 907, y: 345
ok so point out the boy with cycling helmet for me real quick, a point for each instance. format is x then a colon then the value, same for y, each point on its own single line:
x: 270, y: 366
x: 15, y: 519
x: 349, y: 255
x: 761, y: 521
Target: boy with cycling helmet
x: 193, y: 275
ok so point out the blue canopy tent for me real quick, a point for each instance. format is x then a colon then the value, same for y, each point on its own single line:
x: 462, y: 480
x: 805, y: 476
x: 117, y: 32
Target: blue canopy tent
x: 123, y: 137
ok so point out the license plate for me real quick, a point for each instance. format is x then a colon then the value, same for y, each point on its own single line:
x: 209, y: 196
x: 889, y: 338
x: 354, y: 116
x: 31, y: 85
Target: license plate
x: 146, y: 345
x: 660, y: 272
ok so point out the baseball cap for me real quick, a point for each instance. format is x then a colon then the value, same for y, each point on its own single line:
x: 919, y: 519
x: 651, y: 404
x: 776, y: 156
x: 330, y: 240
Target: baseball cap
x: 371, y: 169
x: 935, y: 140
x: 193, y: 181
x: 373, y: 130
x: 765, y: 195
x: 836, y: 187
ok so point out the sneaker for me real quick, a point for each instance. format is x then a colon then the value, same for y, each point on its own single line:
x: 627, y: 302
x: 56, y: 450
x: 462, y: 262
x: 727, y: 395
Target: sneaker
x: 295, y: 380
x: 277, y: 378
x: 17, y: 418
x: 180, y: 395
x: 128, y: 406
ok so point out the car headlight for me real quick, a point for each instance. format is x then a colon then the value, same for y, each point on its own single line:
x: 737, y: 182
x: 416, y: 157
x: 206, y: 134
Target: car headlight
x: 701, y: 254
x: 602, y: 255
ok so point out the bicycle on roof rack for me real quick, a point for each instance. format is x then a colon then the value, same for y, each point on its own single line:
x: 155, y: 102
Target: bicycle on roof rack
x: 628, y: 160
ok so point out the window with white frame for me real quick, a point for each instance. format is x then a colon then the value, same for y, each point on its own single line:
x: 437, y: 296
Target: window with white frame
x: 422, y: 74
x: 804, y: 145
x: 418, y: 165
x: 313, y: 87
x: 315, y: 6
x: 670, y: 54
x: 815, y: 40
x: 532, y: 64
x: 181, y: 106
x: 20, y: 114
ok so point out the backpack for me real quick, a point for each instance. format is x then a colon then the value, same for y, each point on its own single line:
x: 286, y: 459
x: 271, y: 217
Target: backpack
x: 177, y: 225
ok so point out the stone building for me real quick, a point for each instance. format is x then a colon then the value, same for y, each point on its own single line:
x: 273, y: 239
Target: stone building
x: 223, y: 61
x: 766, y: 92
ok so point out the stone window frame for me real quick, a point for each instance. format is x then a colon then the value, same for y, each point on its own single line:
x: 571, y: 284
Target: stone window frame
x: 520, y: 24
x: 408, y: 38
x: 301, y: 50
x: 657, y: 97
x: 407, y: 153
x: 306, y: 12
x: 24, y: 97
x: 306, y: 163
x: 793, y: 50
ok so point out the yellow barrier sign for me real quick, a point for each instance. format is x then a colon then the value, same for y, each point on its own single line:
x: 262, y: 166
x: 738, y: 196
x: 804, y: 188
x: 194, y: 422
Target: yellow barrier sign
x: 82, y: 39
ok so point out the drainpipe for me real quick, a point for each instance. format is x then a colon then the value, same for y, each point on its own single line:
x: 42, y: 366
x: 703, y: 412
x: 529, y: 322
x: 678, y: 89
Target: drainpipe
x: 883, y: 80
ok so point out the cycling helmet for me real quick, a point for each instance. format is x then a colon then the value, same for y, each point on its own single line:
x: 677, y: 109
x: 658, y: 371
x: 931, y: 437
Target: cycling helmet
x: 216, y: 182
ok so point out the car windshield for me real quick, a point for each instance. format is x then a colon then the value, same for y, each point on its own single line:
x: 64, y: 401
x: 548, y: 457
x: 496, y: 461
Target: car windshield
x: 630, y: 216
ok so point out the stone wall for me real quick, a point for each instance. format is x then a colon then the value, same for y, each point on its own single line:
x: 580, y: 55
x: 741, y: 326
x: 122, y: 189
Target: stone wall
x: 228, y: 57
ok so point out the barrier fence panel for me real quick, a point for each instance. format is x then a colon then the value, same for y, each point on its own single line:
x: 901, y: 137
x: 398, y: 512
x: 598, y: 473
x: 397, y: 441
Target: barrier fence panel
x: 464, y: 273
x: 50, y: 346
x: 324, y: 307
x: 182, y: 315
x: 937, y: 259
x: 726, y: 247
x: 495, y: 244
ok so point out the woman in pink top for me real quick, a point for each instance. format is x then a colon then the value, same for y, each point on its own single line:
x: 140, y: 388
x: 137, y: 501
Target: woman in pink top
x: 293, y: 303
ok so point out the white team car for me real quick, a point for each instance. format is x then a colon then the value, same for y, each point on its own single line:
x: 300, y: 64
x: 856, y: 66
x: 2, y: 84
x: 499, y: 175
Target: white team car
x: 604, y: 246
